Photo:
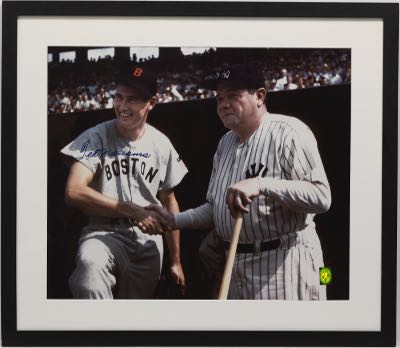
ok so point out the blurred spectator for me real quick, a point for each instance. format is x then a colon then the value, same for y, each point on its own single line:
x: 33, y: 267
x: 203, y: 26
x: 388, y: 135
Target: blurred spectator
x: 324, y: 81
x: 65, y: 104
x: 86, y: 102
x: 326, y: 72
x: 173, y: 90
x: 282, y: 81
x: 290, y: 84
x: 300, y: 82
x: 79, y: 103
x: 335, y: 79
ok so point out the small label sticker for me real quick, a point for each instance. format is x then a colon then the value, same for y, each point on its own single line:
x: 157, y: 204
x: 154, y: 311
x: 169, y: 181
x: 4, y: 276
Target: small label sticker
x: 325, y: 275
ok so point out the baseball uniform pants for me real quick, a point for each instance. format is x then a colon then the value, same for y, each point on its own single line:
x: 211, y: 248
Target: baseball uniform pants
x: 124, y: 264
x: 290, y: 272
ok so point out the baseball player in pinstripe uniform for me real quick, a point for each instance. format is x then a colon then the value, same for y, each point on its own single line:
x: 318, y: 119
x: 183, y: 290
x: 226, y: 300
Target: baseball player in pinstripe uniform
x: 118, y: 167
x: 267, y: 166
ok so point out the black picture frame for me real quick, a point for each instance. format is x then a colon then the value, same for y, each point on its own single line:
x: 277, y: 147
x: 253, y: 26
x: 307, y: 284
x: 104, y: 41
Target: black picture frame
x: 12, y: 10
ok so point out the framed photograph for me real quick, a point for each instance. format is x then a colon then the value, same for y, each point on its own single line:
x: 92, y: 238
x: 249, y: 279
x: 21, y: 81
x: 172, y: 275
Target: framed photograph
x: 329, y: 75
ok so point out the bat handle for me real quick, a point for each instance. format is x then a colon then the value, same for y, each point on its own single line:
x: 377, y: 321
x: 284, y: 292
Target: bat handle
x: 226, y: 278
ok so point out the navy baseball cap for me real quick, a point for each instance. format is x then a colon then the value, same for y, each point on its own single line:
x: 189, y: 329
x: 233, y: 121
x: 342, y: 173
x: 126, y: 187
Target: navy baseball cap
x: 140, y: 78
x: 237, y: 76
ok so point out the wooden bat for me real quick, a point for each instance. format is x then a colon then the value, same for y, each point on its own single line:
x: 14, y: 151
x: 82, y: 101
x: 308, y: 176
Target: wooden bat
x: 226, y: 278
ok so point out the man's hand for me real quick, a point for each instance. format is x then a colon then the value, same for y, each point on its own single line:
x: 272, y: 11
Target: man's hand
x: 166, y: 218
x: 241, y: 194
x: 148, y: 221
x: 171, y: 207
x: 178, y: 276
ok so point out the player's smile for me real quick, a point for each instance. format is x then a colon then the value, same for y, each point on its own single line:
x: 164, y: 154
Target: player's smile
x: 125, y: 115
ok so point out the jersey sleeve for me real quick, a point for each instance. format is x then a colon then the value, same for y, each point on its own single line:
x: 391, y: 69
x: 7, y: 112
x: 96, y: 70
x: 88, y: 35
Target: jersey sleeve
x: 300, y: 157
x: 304, y: 186
x: 175, y: 170
x: 212, y: 183
x: 86, y: 149
x: 201, y: 217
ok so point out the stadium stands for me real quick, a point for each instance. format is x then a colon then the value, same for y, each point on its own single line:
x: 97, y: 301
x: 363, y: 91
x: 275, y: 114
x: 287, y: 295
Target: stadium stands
x: 89, y: 85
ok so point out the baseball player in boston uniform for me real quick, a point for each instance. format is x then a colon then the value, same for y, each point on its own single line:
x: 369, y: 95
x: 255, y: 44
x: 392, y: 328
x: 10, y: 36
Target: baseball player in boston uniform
x: 118, y: 167
x: 268, y: 166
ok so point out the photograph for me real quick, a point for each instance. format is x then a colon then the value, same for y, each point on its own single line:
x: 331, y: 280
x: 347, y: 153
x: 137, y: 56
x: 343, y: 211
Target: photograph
x: 199, y: 173
x: 134, y: 127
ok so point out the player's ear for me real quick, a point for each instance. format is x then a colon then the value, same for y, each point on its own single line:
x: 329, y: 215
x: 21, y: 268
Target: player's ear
x: 261, y: 94
x: 152, y: 103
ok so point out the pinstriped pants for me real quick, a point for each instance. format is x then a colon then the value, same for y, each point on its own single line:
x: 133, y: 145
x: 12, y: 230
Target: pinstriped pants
x: 290, y: 272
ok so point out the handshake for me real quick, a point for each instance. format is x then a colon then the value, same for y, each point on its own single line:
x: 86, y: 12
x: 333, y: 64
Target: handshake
x: 153, y: 219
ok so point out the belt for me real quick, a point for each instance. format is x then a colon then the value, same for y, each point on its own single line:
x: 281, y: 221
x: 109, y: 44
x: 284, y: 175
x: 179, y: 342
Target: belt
x: 123, y: 221
x: 254, y: 248
x: 113, y: 221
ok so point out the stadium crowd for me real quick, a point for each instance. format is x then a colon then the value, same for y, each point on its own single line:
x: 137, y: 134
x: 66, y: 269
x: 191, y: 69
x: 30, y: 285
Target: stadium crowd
x: 74, y: 88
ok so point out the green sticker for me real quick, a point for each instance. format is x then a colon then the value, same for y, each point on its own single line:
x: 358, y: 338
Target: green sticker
x: 325, y: 275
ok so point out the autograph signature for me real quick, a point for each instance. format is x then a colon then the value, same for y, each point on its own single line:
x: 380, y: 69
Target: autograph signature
x: 102, y: 152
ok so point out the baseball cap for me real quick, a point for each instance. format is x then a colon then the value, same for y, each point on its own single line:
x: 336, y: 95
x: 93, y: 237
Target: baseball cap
x: 142, y: 79
x: 237, y: 76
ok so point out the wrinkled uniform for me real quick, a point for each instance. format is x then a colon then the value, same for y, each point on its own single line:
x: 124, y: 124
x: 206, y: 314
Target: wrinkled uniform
x: 115, y: 258
x: 283, y: 153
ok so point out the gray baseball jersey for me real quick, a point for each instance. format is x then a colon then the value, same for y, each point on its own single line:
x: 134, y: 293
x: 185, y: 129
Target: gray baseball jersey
x: 127, y: 171
x: 283, y: 153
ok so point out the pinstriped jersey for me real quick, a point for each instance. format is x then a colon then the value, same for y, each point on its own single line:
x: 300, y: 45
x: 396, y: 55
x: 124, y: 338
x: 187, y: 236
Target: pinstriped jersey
x: 282, y: 147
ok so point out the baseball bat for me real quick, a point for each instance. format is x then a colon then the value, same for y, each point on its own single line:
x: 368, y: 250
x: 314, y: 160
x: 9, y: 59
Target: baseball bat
x: 226, y: 278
